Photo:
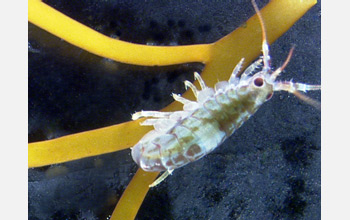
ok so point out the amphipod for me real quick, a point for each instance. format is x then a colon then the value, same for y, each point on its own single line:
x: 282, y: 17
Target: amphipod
x: 185, y: 136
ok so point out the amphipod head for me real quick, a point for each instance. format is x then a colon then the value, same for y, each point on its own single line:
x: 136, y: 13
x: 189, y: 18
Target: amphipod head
x: 261, y: 85
x: 264, y: 82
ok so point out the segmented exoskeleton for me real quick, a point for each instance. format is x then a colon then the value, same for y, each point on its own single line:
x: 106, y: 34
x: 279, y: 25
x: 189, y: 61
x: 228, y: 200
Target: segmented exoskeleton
x: 184, y: 136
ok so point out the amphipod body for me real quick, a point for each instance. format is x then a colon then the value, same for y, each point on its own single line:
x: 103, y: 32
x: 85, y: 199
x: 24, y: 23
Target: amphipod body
x: 184, y: 136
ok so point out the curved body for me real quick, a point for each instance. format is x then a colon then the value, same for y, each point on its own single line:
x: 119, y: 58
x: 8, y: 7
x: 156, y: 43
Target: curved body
x: 198, y: 131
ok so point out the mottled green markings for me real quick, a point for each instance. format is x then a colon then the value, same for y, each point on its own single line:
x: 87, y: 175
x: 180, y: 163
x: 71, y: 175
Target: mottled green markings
x: 194, y: 152
x: 204, y: 129
x: 230, y: 115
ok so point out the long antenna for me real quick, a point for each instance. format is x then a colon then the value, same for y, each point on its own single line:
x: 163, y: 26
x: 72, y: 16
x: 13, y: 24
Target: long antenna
x: 280, y: 69
x: 265, y: 46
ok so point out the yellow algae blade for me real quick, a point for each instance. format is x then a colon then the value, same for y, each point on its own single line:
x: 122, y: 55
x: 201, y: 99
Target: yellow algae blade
x: 133, y: 195
x: 90, y: 40
x: 85, y: 144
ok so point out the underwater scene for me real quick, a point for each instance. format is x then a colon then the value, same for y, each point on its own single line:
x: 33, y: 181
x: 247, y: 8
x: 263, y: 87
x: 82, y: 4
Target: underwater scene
x: 94, y: 64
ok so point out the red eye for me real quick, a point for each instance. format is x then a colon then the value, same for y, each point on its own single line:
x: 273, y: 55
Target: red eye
x: 258, y: 82
x: 269, y: 96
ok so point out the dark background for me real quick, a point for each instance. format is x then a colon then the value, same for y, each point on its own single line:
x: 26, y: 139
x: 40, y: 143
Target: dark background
x: 269, y: 169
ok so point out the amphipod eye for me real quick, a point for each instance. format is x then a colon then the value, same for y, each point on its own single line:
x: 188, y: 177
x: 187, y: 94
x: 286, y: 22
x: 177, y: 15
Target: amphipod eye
x: 258, y: 82
x: 268, y: 97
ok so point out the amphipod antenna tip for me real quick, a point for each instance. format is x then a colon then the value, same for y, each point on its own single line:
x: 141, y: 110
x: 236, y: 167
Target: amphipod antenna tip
x: 265, y: 46
x: 257, y: 11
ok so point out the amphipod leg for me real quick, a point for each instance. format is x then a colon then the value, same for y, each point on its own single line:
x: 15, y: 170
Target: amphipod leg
x: 181, y: 99
x: 250, y: 69
x: 153, y: 114
x: 234, y: 75
x: 192, y: 87
x: 161, y: 178
x: 150, y: 121
x: 200, y: 80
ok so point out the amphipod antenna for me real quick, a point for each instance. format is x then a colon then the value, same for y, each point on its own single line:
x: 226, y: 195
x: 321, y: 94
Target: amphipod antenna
x: 265, y: 45
x: 290, y: 87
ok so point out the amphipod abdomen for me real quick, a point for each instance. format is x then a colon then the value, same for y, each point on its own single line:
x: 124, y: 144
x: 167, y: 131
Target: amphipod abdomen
x: 198, y: 133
